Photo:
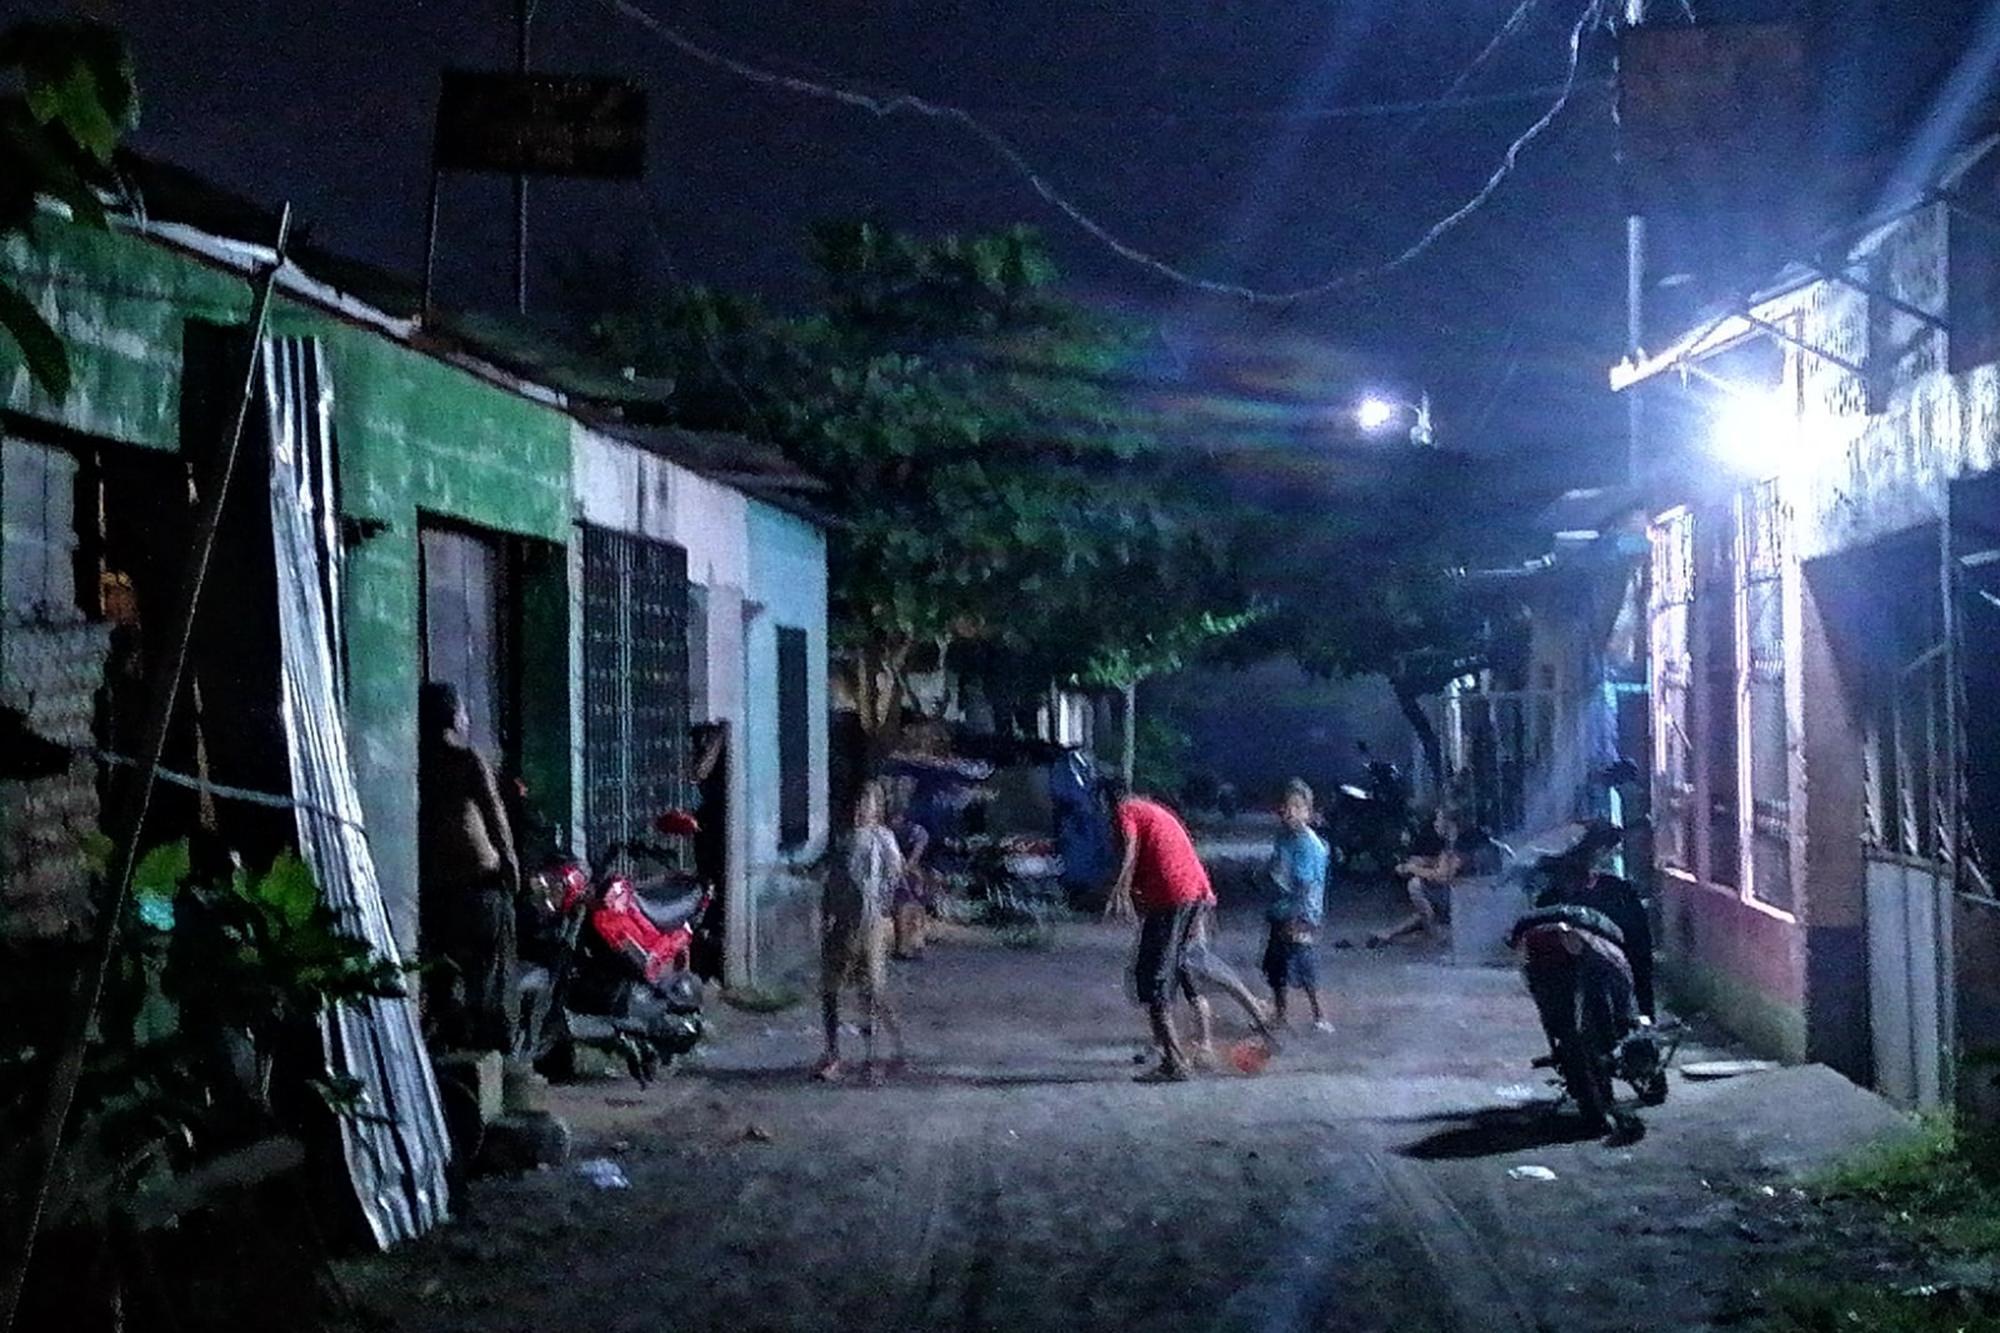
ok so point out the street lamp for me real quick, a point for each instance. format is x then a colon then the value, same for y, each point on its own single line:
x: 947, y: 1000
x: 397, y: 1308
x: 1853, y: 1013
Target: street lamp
x: 1376, y: 412
x: 1754, y: 431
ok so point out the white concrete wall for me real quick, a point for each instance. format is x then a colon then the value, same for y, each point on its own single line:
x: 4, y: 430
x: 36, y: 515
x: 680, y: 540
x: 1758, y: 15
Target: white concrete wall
x: 629, y: 490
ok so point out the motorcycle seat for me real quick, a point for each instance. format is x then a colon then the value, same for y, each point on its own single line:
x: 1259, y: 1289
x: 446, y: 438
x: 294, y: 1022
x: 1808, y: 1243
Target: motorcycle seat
x: 1568, y: 914
x: 670, y: 913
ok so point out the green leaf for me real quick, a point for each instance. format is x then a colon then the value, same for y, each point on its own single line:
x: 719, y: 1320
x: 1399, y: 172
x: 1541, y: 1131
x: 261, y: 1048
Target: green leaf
x: 76, y: 76
x: 288, y: 889
x: 161, y: 872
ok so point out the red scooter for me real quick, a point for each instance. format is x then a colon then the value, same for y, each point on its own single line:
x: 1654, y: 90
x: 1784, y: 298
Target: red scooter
x: 614, y: 969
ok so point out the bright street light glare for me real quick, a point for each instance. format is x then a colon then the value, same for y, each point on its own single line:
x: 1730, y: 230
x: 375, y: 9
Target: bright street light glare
x: 1375, y: 413
x: 1753, y: 433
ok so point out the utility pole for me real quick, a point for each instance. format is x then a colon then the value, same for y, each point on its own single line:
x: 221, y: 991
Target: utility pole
x: 523, y: 12
x: 1635, y: 305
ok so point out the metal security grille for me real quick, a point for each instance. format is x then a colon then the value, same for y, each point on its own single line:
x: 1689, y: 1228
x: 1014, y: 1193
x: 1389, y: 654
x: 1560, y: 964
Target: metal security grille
x: 635, y: 684
x: 1673, y: 682
x: 1767, y: 739
x: 1717, y: 604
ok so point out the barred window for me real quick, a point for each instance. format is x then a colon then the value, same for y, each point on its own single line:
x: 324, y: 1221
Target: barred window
x: 1673, y: 674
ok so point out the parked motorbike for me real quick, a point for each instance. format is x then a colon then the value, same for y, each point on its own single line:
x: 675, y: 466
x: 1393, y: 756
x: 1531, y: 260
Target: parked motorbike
x: 1587, y: 957
x: 613, y: 968
x: 1371, y: 822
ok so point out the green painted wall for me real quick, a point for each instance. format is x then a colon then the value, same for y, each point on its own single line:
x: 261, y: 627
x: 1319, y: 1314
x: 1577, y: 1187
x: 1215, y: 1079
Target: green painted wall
x: 120, y: 305
x: 417, y: 438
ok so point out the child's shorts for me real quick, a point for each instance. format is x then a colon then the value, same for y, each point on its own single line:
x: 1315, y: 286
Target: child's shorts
x: 1290, y: 961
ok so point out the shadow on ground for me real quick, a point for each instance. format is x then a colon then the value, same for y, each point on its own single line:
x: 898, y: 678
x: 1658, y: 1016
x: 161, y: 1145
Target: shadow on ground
x: 1494, y: 1132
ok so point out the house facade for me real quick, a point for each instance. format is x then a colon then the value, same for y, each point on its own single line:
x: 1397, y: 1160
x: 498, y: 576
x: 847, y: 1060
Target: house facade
x: 723, y: 596
x: 590, y: 596
x: 1824, y: 635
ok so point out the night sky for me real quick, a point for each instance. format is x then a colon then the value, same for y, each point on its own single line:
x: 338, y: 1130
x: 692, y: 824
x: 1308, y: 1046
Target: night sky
x: 1176, y: 123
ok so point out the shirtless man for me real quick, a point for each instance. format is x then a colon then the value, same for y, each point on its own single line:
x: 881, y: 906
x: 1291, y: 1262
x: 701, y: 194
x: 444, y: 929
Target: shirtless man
x: 471, y: 876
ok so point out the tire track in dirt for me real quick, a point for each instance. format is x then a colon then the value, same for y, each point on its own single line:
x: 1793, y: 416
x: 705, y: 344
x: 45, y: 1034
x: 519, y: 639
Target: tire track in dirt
x: 1474, y: 1282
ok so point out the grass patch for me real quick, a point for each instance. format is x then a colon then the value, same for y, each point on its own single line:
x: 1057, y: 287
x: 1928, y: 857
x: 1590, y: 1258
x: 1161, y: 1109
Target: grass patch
x: 1941, y: 1185
x: 762, y: 999
x: 1849, y: 1307
x: 1921, y: 1211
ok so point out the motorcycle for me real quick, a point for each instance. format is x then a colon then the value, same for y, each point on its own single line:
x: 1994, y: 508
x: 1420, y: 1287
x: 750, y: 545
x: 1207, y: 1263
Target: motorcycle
x: 1587, y: 957
x: 613, y: 969
x: 1371, y: 823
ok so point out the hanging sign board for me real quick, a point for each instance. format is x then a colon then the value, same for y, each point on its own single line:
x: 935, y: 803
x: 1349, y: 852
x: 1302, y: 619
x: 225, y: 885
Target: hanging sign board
x: 541, y: 125
x: 1712, y: 117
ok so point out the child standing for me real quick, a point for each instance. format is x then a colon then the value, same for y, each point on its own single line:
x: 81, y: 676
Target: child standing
x: 1298, y: 869
x: 854, y: 921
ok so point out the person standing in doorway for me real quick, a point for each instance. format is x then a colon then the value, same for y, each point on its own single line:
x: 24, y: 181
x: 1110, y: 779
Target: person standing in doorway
x: 1162, y: 878
x: 854, y: 941
x: 471, y: 877
x: 1298, y: 870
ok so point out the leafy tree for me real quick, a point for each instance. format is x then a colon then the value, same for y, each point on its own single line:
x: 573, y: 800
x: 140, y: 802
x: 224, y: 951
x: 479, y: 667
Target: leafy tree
x: 988, y: 486
x: 1371, y: 583
x: 77, y: 98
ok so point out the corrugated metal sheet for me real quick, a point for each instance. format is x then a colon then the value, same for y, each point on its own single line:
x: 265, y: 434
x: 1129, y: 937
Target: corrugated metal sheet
x: 396, y: 1144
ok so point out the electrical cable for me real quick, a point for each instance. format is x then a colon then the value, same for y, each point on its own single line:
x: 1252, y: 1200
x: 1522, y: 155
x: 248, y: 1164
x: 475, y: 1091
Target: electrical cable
x: 1515, y: 19
x: 887, y: 105
x: 1348, y: 111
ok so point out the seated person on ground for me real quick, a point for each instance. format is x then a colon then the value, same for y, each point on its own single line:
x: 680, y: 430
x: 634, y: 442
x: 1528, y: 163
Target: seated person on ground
x: 1435, y: 860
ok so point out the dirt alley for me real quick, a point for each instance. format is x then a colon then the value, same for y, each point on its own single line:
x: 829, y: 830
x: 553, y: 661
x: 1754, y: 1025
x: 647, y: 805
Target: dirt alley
x: 1016, y: 1177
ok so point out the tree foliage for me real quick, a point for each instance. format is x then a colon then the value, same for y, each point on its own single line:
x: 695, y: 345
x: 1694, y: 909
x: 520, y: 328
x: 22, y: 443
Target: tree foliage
x: 1372, y: 584
x: 987, y: 486
x: 77, y: 99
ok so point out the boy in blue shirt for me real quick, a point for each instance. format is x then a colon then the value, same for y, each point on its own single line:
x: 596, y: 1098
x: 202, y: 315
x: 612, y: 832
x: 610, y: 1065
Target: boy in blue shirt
x: 1298, y: 869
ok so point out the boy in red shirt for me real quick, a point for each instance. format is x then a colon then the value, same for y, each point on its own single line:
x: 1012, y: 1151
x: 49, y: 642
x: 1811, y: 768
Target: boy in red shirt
x: 1160, y: 875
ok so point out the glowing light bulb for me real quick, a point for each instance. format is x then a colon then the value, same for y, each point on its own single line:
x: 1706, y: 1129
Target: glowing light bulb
x: 1374, y: 413
x: 1754, y: 433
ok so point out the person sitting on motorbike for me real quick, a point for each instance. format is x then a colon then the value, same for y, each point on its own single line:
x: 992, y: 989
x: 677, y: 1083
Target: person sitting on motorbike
x: 1435, y: 860
x: 1572, y: 877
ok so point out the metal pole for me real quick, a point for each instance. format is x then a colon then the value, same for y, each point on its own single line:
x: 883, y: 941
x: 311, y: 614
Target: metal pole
x: 522, y: 13
x: 168, y: 677
x: 431, y: 236
x: 1635, y: 306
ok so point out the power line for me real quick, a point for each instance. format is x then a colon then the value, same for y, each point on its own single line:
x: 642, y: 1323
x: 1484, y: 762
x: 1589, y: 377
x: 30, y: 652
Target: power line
x: 1352, y: 111
x: 884, y: 106
x: 1514, y: 20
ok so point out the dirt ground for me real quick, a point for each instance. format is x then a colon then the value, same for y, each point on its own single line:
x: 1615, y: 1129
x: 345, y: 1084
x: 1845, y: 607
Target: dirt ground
x: 1016, y: 1177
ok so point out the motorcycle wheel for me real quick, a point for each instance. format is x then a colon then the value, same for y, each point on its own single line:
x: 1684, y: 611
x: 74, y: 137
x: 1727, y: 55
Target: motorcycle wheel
x: 1586, y: 1069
